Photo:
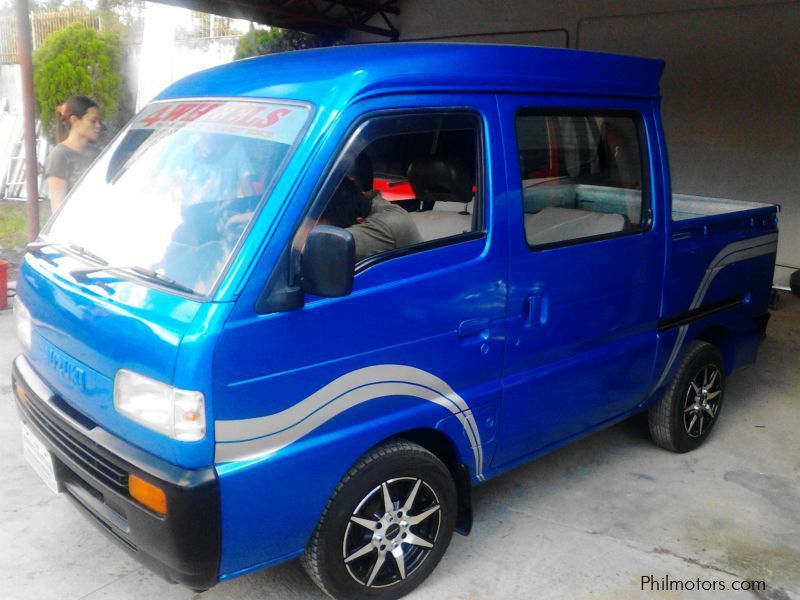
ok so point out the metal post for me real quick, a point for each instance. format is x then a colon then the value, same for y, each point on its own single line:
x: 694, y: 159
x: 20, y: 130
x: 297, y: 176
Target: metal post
x: 24, y: 45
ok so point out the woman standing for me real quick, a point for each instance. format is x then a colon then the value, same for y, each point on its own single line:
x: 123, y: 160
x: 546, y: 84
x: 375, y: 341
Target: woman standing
x: 78, y: 128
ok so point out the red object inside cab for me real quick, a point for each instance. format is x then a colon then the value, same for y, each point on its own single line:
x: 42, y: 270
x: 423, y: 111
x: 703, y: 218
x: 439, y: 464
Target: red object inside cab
x: 393, y: 190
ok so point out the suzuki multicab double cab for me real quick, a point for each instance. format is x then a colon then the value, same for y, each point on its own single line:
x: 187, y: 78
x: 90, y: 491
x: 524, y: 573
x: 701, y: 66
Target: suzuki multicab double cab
x: 223, y: 378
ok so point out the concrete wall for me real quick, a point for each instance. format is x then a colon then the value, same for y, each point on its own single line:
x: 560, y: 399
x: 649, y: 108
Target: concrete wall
x: 731, y: 87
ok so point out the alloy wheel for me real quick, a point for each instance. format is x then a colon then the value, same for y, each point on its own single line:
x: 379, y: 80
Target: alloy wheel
x: 391, y: 532
x: 702, y: 401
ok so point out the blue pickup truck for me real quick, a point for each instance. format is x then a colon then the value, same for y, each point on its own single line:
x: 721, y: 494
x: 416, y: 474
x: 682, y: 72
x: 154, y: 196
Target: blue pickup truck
x: 303, y: 303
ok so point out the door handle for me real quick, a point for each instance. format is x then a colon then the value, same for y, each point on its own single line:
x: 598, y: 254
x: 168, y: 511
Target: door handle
x: 536, y: 306
x: 472, y: 327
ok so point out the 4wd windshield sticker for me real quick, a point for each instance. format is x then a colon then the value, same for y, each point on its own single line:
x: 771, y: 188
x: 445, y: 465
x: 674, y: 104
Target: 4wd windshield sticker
x: 277, y: 122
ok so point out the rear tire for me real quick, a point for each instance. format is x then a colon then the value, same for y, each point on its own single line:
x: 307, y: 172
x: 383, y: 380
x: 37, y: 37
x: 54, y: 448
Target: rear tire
x: 794, y: 283
x: 386, y: 526
x: 690, y: 407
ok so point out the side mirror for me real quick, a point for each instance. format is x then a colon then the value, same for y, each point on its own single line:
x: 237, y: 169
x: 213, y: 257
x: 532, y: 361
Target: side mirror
x: 327, y: 265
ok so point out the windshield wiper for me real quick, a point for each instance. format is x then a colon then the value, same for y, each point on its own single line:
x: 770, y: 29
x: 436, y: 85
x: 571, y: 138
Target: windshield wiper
x: 163, y: 279
x: 87, y: 254
x: 82, y: 274
x: 36, y: 248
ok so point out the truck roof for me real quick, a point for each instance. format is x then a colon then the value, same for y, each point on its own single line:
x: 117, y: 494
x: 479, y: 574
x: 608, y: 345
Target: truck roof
x: 339, y: 75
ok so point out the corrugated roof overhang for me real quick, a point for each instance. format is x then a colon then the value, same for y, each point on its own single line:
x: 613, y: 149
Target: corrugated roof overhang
x: 329, y: 19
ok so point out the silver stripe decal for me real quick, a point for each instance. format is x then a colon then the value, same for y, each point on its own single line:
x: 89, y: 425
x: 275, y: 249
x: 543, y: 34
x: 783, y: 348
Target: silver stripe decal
x: 253, y: 438
x: 245, y: 439
x: 732, y: 253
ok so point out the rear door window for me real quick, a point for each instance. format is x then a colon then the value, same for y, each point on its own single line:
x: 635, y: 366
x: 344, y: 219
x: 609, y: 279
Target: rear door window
x: 582, y: 177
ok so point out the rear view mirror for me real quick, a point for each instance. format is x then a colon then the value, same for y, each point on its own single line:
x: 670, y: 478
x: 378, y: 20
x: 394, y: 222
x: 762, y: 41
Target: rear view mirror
x: 328, y: 262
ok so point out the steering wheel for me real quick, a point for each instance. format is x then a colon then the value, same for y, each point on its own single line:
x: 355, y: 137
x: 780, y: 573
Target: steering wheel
x: 234, y: 215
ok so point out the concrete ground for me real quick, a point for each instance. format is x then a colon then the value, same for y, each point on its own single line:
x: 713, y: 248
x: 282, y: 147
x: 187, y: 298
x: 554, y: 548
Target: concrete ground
x: 589, y: 521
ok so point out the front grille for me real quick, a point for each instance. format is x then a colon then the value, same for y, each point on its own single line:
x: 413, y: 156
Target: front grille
x: 78, y: 451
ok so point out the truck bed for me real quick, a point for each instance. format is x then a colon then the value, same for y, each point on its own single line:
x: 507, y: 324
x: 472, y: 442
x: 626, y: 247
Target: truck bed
x: 719, y: 273
x: 685, y: 207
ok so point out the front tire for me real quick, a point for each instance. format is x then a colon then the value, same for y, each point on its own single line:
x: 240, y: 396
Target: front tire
x: 386, y: 526
x: 690, y: 407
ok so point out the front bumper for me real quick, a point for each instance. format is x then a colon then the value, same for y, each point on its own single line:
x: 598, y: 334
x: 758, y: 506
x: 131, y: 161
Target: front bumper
x: 92, y: 467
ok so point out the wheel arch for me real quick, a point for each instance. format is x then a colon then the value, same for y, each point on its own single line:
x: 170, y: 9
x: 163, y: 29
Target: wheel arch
x: 440, y: 445
x: 722, y: 339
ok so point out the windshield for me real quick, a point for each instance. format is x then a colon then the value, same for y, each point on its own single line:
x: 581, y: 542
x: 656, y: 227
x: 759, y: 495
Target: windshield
x: 177, y: 189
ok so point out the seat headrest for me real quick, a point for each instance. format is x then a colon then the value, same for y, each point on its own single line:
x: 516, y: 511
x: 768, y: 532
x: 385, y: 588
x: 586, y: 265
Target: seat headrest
x: 362, y: 172
x: 440, y: 179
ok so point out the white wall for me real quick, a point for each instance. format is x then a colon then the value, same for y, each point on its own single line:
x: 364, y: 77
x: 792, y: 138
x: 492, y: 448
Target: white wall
x: 10, y: 86
x: 731, y: 86
x: 10, y: 103
x: 11, y: 127
x: 163, y: 60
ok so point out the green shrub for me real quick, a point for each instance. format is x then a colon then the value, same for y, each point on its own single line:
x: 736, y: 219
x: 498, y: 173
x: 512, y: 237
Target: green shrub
x: 269, y: 41
x: 14, y: 223
x: 77, y: 60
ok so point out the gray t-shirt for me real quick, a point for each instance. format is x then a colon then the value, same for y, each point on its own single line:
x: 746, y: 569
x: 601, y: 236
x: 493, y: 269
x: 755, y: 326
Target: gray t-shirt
x: 387, y: 227
x: 67, y: 164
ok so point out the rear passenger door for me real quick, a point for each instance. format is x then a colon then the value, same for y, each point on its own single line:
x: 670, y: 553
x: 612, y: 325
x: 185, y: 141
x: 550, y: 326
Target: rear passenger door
x: 585, y: 270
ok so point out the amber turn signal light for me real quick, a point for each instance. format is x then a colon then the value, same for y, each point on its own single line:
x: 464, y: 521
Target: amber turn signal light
x: 146, y: 493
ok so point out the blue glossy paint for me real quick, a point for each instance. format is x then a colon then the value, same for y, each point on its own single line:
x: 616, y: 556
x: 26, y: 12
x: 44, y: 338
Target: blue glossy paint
x: 103, y: 328
x: 511, y: 391
x: 587, y: 355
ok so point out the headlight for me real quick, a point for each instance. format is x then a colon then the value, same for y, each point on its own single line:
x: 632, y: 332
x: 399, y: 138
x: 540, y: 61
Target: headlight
x: 179, y: 414
x: 23, y: 319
